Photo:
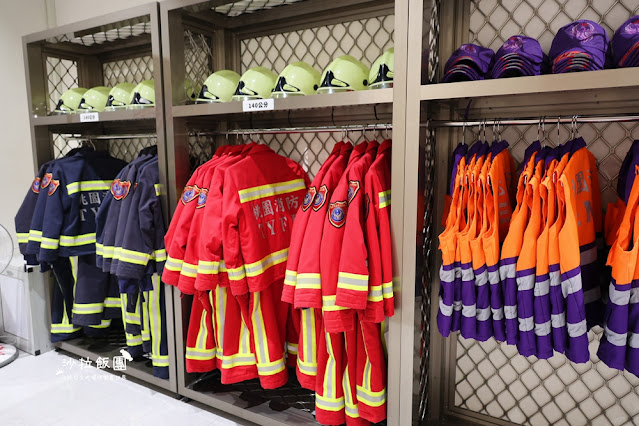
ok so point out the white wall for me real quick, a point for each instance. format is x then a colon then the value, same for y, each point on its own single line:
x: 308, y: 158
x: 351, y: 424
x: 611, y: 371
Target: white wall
x: 68, y: 11
x: 16, y: 165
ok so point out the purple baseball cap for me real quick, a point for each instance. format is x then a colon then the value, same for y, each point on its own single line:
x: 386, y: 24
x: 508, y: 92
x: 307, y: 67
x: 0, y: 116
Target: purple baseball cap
x: 579, y: 38
x: 473, y: 57
x: 577, y: 63
x: 462, y: 72
x: 515, y: 66
x: 521, y: 47
x: 625, y: 43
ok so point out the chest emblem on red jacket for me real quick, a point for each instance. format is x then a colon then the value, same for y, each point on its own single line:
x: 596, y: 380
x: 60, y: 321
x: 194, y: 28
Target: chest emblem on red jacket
x: 53, y: 185
x: 320, y: 198
x: 353, y: 189
x: 35, y: 185
x: 120, y: 189
x: 45, y: 180
x: 190, y: 193
x: 337, y: 213
x: 201, y: 199
x: 308, y: 198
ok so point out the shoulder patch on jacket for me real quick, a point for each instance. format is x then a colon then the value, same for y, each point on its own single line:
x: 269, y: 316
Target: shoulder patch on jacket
x: 53, y: 186
x: 190, y: 193
x: 320, y: 197
x: 35, y: 185
x: 120, y: 189
x: 201, y: 199
x: 308, y: 198
x: 46, y: 179
x: 353, y: 189
x: 337, y: 213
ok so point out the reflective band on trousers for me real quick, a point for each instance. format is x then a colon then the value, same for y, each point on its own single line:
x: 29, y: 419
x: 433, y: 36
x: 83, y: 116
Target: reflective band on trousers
x: 329, y: 404
x: 64, y: 328
x: 328, y: 304
x: 263, y: 191
x: 356, y: 282
x: 200, y: 354
x: 88, y: 185
x: 292, y: 348
x: 160, y: 360
x: 384, y: 199
x: 23, y: 237
x: 372, y: 399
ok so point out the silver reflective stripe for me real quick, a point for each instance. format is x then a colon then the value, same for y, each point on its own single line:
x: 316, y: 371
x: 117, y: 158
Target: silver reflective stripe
x: 615, y: 338
x: 308, y: 319
x: 236, y: 360
x: 261, y: 343
x: 467, y: 275
x: 220, y: 314
x: 592, y: 295
x: 206, y: 267
x: 589, y: 256
x: 191, y: 352
x: 483, y: 314
x: 446, y: 310
x: 526, y: 283
x: 571, y: 285
x: 446, y: 276
x: 526, y: 324
x: 510, y: 312
x: 258, y: 267
x: 384, y: 198
x: 493, y: 277
x: 576, y: 330
x: 542, y: 329
x: 619, y: 298
x: 481, y: 279
x: 329, y: 404
x: 506, y: 271
x: 555, y: 279
x: 457, y: 305
x: 542, y: 288
x: 634, y: 295
x: 310, y: 370
x: 633, y: 340
x: 265, y: 369
x: 375, y: 293
x: 368, y: 399
x: 558, y: 320
x: 498, y: 314
x: 469, y: 311
x: 362, y: 283
x: 330, y: 370
x: 270, y: 190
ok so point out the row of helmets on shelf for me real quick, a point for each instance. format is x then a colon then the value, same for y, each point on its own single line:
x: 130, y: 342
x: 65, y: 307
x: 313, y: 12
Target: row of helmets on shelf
x: 101, y: 98
x: 343, y: 74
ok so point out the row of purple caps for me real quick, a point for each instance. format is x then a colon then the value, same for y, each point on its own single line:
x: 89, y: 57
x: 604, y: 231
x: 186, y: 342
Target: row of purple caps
x: 579, y: 46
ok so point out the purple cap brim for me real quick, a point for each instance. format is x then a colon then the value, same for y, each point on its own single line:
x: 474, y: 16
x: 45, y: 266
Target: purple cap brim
x: 480, y: 56
x: 516, y: 55
x: 460, y: 75
x: 514, y: 70
x: 525, y: 66
x: 468, y: 69
x: 630, y: 58
x: 576, y: 55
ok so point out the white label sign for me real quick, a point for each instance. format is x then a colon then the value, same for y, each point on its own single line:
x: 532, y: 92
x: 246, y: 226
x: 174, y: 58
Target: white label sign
x: 258, y: 105
x: 89, y: 116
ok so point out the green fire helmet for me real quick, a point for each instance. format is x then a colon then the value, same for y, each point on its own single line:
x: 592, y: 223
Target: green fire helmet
x: 298, y: 78
x: 94, y: 99
x: 143, y: 95
x: 70, y: 101
x: 344, y: 74
x: 381, y: 74
x: 191, y: 89
x: 219, y: 87
x: 119, y: 96
x: 255, y: 83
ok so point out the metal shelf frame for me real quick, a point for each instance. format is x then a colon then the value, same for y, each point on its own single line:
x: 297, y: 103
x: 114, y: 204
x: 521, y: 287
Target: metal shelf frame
x: 91, y: 45
x: 355, y: 108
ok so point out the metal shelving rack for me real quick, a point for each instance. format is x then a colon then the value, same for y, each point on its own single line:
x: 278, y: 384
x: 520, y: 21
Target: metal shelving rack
x: 489, y: 383
x: 106, y: 50
x: 199, y: 37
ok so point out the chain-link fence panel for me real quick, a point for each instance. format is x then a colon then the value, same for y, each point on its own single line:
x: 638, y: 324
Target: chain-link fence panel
x: 117, y: 31
x: 126, y: 149
x: 238, y: 8
x: 133, y: 70
x: 198, y: 60
x: 363, y: 39
x: 491, y: 378
x: 62, y: 75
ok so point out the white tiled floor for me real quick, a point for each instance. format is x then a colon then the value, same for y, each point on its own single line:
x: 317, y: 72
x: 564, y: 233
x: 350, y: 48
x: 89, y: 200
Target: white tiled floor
x: 48, y: 390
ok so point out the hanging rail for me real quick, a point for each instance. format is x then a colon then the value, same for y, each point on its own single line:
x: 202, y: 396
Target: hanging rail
x: 108, y: 137
x: 524, y: 121
x: 286, y: 130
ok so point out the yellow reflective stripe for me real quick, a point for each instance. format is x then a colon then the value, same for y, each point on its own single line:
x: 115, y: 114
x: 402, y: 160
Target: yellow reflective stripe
x: 189, y: 270
x: 49, y: 243
x: 263, y: 191
x: 159, y: 189
x: 309, y: 281
x: 372, y: 399
x: 264, y: 366
x: 222, y: 266
x: 220, y: 315
x: 205, y: 267
x: 173, y: 264
x: 64, y: 328
x: 112, y: 302
x: 160, y: 360
x: 105, y: 251
x: 77, y: 240
x: 236, y: 274
x: 356, y: 282
x: 329, y: 404
x: 155, y: 319
x: 384, y: 199
x: 387, y: 290
x: 23, y: 237
x: 159, y: 255
x: 271, y: 368
x: 375, y: 293
x: 239, y: 360
x: 132, y: 340
x: 35, y: 235
x: 292, y: 348
x: 328, y: 304
x: 350, y: 402
x: 256, y: 268
x: 330, y: 374
x: 87, y: 308
x: 89, y: 185
x: 105, y: 323
x: 290, y: 278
